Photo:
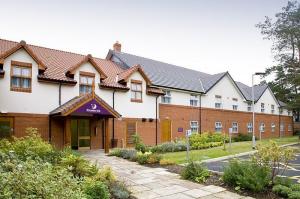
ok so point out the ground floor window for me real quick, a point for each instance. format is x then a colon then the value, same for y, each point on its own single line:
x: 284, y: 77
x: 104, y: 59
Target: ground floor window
x: 290, y: 127
x: 235, y: 127
x: 281, y: 126
x: 250, y: 127
x: 194, y: 126
x: 218, y: 126
x: 131, y: 130
x: 262, y: 127
x: 273, y: 127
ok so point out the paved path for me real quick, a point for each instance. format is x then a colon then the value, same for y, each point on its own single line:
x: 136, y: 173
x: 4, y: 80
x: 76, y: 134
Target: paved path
x: 146, y: 183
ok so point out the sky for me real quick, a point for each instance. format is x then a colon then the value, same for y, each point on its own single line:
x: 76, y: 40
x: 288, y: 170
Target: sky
x: 211, y: 36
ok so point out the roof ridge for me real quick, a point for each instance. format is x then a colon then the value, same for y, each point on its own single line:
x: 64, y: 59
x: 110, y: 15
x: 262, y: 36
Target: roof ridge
x: 161, y: 62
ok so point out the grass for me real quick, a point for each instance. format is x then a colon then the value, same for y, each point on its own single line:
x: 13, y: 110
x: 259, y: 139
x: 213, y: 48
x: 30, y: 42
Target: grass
x: 236, y: 147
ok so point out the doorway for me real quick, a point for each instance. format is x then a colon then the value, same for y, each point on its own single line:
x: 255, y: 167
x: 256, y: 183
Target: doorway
x: 166, y: 131
x: 6, y: 127
x: 80, y: 134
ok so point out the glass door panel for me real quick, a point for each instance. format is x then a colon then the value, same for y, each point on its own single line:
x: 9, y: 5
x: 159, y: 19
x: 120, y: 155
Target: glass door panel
x: 6, y: 127
x: 74, y: 134
x: 84, y: 134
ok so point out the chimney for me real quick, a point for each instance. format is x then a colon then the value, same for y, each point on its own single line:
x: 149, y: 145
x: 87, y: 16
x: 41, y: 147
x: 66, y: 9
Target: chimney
x: 117, y: 46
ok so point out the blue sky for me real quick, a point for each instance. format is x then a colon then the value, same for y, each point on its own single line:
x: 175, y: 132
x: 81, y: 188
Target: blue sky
x: 208, y: 35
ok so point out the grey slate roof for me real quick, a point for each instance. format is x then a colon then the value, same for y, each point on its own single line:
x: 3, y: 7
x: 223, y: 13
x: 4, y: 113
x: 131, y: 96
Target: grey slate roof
x: 172, y: 76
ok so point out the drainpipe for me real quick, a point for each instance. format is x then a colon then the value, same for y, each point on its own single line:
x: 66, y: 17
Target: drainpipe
x: 50, y: 135
x: 59, y: 94
x: 113, y: 122
x: 156, y: 122
x: 200, y: 115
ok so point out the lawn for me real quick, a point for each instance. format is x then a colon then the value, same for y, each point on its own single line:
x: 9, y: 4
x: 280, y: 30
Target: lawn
x: 236, y: 147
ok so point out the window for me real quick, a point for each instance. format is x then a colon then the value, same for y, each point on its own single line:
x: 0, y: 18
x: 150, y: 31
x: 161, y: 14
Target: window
x: 86, y: 81
x: 218, y: 103
x: 250, y: 127
x: 289, y: 113
x: 235, y: 127
x: 290, y: 127
x: 21, y: 74
x: 166, y: 99
x: 249, y: 106
x: 218, y: 126
x: 280, y: 110
x: 272, y: 127
x: 272, y: 108
x: 136, y: 91
x: 194, y: 126
x: 194, y: 100
x: 234, y: 107
x: 234, y: 99
x: 262, y: 107
x: 262, y: 127
x: 281, y: 126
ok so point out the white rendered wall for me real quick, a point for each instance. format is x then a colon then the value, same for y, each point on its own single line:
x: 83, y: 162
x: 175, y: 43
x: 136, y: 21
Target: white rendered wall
x: 225, y: 88
x: 268, y: 99
x: 42, y: 99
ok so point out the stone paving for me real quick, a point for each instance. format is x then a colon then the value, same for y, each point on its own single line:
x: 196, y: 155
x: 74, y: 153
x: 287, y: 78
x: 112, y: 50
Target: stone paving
x: 147, y: 183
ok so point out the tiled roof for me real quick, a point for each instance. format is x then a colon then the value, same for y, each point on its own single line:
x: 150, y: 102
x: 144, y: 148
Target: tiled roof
x: 168, y: 75
x: 78, y: 100
x: 156, y: 91
x: 123, y: 76
x: 247, y: 90
x: 58, y: 62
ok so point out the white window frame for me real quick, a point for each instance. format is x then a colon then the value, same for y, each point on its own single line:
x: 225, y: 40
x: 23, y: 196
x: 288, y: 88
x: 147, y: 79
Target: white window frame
x: 281, y: 127
x: 249, y: 127
x: 262, y: 107
x: 218, y: 126
x: 290, y: 127
x: 166, y: 99
x: 194, y: 126
x: 194, y: 100
x: 272, y: 108
x: 235, y: 107
x: 273, y: 126
x: 235, y: 127
x: 218, y: 105
x: 262, y: 124
x: 249, y: 106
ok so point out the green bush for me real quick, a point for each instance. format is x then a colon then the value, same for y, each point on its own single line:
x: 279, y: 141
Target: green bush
x: 282, y: 181
x: 242, y: 137
x: 105, y: 174
x: 294, y: 195
x: 281, y: 190
x: 295, y: 187
x: 247, y: 175
x: 198, y: 145
x: 96, y: 190
x: 78, y: 166
x: 115, y: 152
x: 118, y: 190
x: 195, y: 171
x: 138, y: 143
x: 129, y: 154
x: 169, y: 147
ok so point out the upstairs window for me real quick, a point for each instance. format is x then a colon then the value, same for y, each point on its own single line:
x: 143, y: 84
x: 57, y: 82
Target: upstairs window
x: 262, y: 127
x: 249, y: 106
x: 262, y: 107
x: 86, y: 81
x: 194, y: 100
x: 272, y: 108
x: 166, y: 99
x: 235, y: 127
x: 21, y: 75
x: 218, y: 102
x: 280, y: 110
x: 194, y: 126
x: 250, y: 127
x: 136, y: 91
x: 289, y: 113
x: 273, y: 127
x: 235, y: 107
x: 218, y: 126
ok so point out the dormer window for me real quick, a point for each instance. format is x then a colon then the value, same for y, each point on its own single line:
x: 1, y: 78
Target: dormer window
x: 218, y: 102
x: 136, y: 91
x: 194, y: 100
x: 272, y: 108
x: 21, y: 74
x: 166, y: 99
x: 86, y: 82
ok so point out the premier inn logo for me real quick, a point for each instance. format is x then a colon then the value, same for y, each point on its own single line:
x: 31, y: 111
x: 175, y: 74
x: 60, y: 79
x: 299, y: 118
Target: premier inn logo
x: 93, y: 109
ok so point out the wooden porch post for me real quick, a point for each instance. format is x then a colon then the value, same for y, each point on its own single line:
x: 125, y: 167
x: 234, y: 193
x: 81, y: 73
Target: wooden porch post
x: 106, y: 148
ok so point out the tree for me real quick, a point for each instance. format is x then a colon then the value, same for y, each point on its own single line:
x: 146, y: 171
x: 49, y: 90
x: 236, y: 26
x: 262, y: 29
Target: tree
x: 284, y: 32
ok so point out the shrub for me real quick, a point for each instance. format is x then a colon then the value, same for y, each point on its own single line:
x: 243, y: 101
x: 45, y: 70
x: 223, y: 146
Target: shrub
x: 115, y: 152
x: 169, y: 147
x: 247, y: 175
x: 154, y: 158
x: 274, y: 156
x: 138, y: 143
x: 242, y: 137
x: 96, y: 190
x: 105, y: 174
x: 282, y: 181
x: 118, y: 190
x: 294, y: 195
x: 166, y: 162
x: 295, y: 187
x: 142, y: 158
x: 129, y: 154
x: 78, y: 166
x: 195, y: 171
x: 281, y: 190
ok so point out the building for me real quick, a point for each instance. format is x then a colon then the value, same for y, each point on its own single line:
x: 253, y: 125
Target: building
x: 88, y: 102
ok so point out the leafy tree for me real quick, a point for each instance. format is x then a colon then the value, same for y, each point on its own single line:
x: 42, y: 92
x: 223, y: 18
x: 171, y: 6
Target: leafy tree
x: 284, y: 32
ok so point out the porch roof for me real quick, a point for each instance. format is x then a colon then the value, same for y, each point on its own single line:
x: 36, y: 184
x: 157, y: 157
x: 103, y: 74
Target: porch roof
x: 86, y: 104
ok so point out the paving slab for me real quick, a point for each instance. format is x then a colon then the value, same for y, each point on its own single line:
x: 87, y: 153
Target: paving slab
x: 158, y: 183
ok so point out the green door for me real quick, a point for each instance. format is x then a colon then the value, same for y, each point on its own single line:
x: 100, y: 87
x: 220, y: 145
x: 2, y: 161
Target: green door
x: 80, y: 134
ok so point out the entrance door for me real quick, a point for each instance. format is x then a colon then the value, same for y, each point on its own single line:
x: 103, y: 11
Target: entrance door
x: 166, y: 131
x: 6, y: 127
x: 80, y: 134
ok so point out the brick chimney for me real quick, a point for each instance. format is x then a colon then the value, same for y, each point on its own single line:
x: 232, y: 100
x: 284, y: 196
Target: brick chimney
x: 117, y: 46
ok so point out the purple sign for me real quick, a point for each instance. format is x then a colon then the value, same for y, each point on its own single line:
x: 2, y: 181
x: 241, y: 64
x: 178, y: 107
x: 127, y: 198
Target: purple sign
x: 93, y: 107
x: 180, y: 130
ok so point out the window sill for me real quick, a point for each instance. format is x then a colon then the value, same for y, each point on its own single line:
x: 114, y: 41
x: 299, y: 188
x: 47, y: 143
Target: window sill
x: 25, y: 90
x: 137, y: 100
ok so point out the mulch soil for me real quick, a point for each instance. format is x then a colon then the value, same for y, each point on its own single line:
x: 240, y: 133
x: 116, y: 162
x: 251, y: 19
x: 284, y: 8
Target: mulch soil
x: 215, y: 179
